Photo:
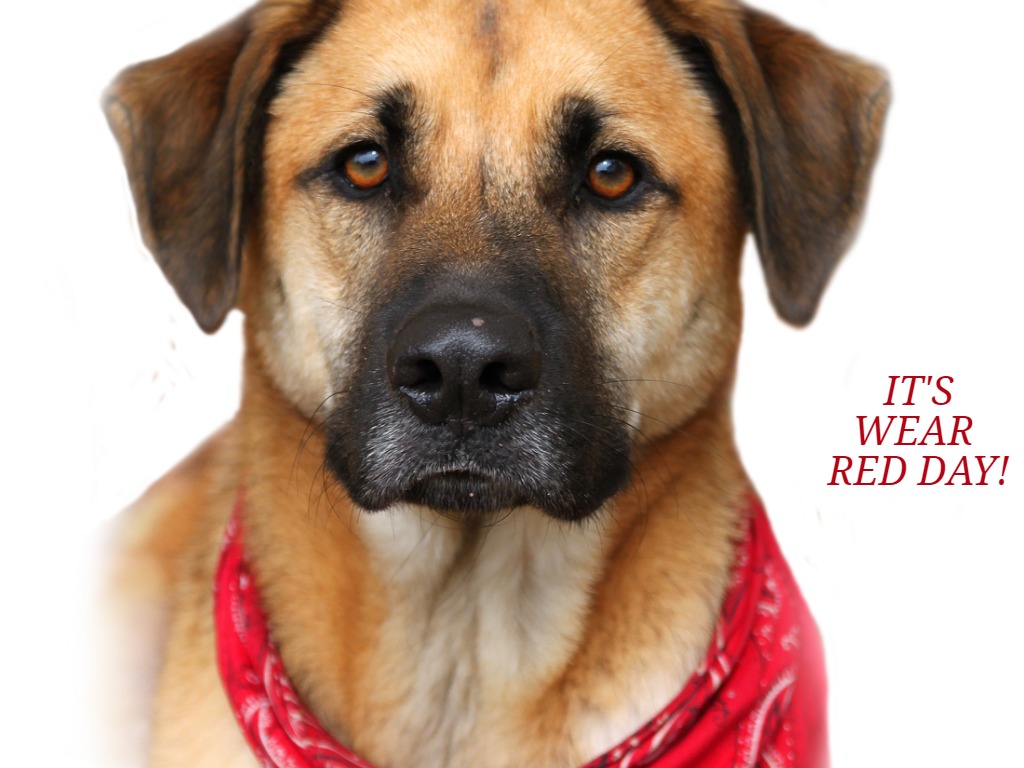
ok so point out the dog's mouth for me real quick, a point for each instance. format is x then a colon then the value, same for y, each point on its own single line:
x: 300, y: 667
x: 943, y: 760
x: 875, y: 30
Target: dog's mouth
x: 465, y: 491
x: 464, y: 487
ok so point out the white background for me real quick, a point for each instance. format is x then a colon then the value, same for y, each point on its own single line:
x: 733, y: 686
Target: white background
x: 106, y: 381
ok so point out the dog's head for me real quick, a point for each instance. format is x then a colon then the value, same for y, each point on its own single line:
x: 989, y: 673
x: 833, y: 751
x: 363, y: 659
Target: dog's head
x: 496, y: 243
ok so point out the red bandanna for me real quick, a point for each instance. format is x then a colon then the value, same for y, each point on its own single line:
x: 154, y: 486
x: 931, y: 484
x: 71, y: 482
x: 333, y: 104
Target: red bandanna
x: 757, y: 701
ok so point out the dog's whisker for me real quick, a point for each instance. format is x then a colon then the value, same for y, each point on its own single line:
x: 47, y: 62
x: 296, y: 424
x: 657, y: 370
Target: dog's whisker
x: 369, y: 96
x: 357, y: 312
x: 365, y: 112
x: 642, y: 380
x: 313, y: 426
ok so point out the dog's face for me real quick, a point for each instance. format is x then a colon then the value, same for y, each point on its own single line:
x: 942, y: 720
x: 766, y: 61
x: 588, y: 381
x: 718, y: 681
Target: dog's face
x: 493, y: 252
x: 494, y: 246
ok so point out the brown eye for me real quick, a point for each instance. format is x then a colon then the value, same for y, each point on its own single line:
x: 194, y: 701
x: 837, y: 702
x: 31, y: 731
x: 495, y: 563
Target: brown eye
x: 364, y: 167
x: 611, y: 177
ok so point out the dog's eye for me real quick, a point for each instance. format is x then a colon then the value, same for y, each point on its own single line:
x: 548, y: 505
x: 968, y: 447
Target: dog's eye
x: 363, y: 167
x: 611, y: 176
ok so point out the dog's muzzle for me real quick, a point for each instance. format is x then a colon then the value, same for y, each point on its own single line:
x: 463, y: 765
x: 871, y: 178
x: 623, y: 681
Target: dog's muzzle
x: 469, y: 399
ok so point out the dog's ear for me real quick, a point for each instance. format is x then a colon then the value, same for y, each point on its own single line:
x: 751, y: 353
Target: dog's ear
x: 190, y: 126
x: 809, y: 130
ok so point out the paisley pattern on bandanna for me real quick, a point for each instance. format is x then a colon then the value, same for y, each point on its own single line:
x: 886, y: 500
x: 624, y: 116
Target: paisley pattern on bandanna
x: 757, y: 700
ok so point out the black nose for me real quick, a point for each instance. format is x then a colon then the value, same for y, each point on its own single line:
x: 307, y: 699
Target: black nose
x: 463, y: 366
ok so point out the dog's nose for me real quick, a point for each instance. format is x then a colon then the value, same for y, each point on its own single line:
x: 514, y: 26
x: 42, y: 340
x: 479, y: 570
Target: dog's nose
x: 462, y: 366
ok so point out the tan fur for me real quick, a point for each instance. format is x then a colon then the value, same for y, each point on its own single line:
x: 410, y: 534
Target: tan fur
x: 417, y: 639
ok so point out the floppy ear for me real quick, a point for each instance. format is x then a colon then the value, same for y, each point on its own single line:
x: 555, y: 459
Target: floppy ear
x: 190, y: 126
x: 809, y: 129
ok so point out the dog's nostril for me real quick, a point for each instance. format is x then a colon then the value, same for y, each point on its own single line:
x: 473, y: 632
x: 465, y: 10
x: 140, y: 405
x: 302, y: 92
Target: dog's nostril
x: 422, y: 375
x: 494, y: 378
x: 509, y: 377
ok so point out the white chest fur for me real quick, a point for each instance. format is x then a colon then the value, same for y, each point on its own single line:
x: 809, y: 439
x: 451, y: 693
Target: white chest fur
x: 479, y: 620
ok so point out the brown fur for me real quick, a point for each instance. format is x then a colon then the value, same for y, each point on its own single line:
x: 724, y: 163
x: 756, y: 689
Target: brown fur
x: 220, y: 139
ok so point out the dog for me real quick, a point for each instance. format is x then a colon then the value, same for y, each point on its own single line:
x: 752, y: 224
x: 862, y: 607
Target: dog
x: 481, y: 503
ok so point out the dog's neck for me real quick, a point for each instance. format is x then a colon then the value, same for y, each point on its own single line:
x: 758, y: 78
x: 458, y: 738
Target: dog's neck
x: 512, y: 590
x: 448, y: 642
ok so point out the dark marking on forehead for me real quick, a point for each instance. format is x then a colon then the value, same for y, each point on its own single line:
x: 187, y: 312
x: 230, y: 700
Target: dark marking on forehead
x: 488, y: 24
x: 573, y: 128
x: 394, y: 110
x: 487, y: 27
x: 577, y: 123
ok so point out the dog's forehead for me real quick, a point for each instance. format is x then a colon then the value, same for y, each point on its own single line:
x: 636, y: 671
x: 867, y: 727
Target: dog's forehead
x: 490, y: 73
